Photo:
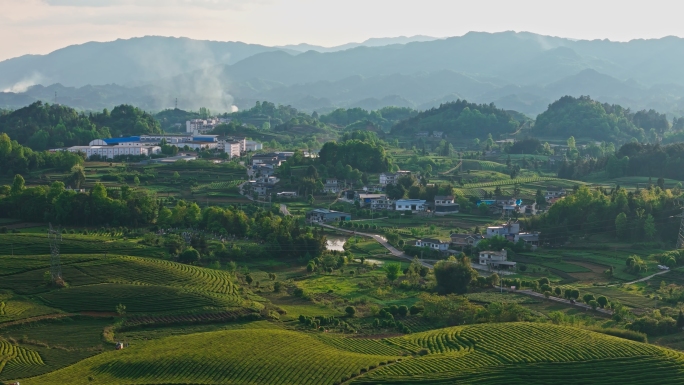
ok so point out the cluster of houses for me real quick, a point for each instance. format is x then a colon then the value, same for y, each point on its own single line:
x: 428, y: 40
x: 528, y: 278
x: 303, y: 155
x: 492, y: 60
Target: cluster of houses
x: 496, y: 260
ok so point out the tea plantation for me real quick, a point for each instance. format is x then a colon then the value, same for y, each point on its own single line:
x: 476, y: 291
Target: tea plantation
x: 513, y: 353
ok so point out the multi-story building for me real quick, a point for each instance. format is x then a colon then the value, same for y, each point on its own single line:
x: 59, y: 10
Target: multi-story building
x: 251, y: 145
x: 445, y: 204
x: 496, y: 260
x: 382, y: 203
x: 331, y: 186
x: 507, y: 230
x: 233, y: 149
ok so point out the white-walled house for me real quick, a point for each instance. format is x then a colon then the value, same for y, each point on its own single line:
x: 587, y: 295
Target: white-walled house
x: 496, y: 260
x: 411, y: 205
x: 434, y: 244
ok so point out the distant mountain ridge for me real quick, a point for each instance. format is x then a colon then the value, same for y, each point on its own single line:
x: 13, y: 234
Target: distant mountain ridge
x: 372, y: 42
x: 519, y: 71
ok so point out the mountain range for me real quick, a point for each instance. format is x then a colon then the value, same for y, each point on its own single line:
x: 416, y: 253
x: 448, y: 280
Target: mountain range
x: 515, y: 70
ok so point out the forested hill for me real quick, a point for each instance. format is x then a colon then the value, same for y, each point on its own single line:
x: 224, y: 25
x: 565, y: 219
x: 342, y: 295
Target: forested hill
x: 586, y: 118
x: 460, y: 119
x: 42, y: 126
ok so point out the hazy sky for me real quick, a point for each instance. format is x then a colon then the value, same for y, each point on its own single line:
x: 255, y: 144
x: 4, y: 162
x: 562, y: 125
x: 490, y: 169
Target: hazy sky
x: 41, y: 26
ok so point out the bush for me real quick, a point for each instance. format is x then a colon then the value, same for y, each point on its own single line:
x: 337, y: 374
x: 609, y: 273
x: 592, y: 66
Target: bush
x: 350, y: 310
x: 416, y: 309
x: 189, y: 256
x: 403, y: 310
x: 622, y: 333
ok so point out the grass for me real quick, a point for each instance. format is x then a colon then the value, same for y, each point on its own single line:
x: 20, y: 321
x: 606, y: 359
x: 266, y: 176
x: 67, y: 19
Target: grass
x: 247, y: 356
x: 37, y: 243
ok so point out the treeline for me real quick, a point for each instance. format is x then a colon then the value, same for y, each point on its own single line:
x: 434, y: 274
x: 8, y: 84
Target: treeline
x: 128, y: 207
x: 460, y: 119
x: 650, y: 160
x: 632, y: 216
x: 586, y: 118
x: 384, y: 117
x: 44, y: 126
x: 16, y: 158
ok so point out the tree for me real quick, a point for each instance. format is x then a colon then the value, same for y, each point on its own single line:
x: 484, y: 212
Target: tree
x: 403, y: 310
x: 587, y: 298
x: 680, y: 320
x: 602, y: 301
x: 622, y: 226
x: 77, y: 177
x: 136, y: 180
x: 454, y: 276
x: 176, y: 175
x: 350, y: 310
x: 539, y: 198
x: 189, y: 256
x: 571, y: 142
x: 249, y: 279
x: 558, y: 291
x: 17, y: 185
x: 593, y: 303
x: 392, y: 271
x: 121, y: 309
x: 649, y: 227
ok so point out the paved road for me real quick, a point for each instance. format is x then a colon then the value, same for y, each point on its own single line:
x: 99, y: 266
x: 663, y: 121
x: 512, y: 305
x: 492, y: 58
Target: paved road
x: 284, y: 210
x: 560, y: 300
x: 381, y: 240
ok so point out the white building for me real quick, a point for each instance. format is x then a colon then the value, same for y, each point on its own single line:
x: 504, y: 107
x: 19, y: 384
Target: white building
x: 331, y: 186
x: 233, y: 149
x: 434, y: 244
x: 251, y: 145
x: 496, y: 260
x: 555, y: 192
x: 411, y: 205
x: 110, y: 152
x: 200, y: 126
x: 445, y: 204
x: 508, y: 230
x: 382, y: 204
x: 386, y: 178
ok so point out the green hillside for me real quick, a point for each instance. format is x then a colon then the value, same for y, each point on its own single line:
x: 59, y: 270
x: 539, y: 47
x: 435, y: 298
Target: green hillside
x: 235, y: 357
x: 518, y: 353
x: 515, y: 353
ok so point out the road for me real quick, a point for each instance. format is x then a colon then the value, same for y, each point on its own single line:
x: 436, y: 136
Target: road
x: 381, y: 240
x: 647, y: 278
x: 284, y: 210
x: 560, y: 300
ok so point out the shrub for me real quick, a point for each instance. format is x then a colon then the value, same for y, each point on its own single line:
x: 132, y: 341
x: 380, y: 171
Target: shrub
x: 350, y: 310
x: 403, y: 310
x: 416, y: 309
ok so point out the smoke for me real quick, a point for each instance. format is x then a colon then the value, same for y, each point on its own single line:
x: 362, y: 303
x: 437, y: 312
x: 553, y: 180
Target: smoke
x: 24, y: 84
x: 192, y: 75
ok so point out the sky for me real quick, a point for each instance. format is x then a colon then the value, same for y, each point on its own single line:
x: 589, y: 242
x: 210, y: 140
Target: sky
x: 42, y: 26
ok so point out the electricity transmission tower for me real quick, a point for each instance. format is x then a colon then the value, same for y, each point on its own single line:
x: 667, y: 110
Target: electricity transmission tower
x: 680, y: 237
x: 55, y: 237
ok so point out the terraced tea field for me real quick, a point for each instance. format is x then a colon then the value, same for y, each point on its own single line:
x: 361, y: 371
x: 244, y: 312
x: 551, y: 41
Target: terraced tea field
x: 522, y: 353
x: 143, y: 285
x: 16, y: 359
x: 227, y: 357
x: 514, y: 353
